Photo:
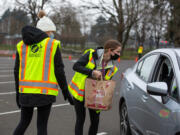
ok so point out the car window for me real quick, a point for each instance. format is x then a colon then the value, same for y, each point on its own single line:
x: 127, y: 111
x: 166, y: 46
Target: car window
x: 165, y: 73
x: 144, y: 69
x: 174, y: 89
x: 139, y: 67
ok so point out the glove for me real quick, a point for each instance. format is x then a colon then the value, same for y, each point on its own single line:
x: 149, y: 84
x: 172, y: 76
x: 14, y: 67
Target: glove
x: 67, y: 96
x: 70, y: 99
x: 17, y: 101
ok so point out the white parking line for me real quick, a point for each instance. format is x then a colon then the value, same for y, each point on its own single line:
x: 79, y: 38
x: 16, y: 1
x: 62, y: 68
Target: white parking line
x: 102, y: 133
x: 6, y: 68
x: 6, y: 75
x: 60, y: 105
x: 7, y: 93
x: 7, y: 82
x: 6, y: 71
x: 17, y: 111
x: 4, y: 58
x: 7, y: 65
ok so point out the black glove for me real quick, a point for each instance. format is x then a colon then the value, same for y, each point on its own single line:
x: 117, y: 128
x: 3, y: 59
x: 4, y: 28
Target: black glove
x: 67, y: 96
x: 17, y: 100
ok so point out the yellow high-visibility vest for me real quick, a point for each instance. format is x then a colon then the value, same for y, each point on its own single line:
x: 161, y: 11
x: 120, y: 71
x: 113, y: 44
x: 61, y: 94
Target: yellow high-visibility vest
x: 140, y: 50
x: 36, y: 70
x: 77, y: 84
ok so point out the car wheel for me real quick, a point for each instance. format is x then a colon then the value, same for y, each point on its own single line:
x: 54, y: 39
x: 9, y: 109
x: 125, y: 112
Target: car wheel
x: 124, y: 121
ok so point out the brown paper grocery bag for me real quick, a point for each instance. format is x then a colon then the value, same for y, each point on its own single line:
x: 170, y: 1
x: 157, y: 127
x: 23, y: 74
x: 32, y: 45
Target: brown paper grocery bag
x: 99, y: 94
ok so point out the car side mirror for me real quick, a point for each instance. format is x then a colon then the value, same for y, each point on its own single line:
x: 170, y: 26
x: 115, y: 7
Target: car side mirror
x: 157, y: 88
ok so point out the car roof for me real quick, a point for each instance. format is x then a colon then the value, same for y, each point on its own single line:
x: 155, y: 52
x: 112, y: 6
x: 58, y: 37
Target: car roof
x: 167, y: 51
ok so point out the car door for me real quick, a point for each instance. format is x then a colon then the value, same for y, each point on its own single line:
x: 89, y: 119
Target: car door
x: 158, y: 114
x: 136, y: 92
x: 172, y: 105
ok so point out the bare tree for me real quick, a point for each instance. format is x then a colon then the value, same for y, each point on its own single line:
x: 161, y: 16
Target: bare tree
x: 158, y: 21
x: 68, y: 25
x: 66, y: 21
x: 152, y: 26
x: 140, y: 32
x: 32, y: 7
x: 125, y: 14
x: 173, y: 33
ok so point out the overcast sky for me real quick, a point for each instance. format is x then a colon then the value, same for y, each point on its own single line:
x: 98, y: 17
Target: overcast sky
x: 5, y: 4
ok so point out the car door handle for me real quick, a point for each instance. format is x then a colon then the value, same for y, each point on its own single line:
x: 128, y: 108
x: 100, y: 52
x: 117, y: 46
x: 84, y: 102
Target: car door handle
x: 144, y: 98
x: 129, y: 87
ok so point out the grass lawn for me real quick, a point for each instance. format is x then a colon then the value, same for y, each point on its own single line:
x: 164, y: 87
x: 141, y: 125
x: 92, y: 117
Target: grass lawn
x: 7, y: 47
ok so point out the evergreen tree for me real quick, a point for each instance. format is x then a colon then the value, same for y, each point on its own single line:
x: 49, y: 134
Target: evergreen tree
x: 13, y: 21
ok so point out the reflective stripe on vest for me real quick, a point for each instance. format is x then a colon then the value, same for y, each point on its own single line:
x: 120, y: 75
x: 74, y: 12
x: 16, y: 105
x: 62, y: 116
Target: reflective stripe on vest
x: 24, y: 50
x: 92, y: 60
x: 38, y: 84
x: 42, y: 86
x: 47, y: 60
x: 111, y: 73
x: 74, y: 86
x: 38, y: 90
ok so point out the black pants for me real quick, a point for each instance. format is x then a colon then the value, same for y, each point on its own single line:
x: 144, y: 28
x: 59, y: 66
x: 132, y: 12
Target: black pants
x: 26, y: 116
x: 139, y: 56
x: 80, y: 119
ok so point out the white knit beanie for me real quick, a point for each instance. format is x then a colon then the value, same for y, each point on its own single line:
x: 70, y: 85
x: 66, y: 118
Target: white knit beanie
x: 45, y: 23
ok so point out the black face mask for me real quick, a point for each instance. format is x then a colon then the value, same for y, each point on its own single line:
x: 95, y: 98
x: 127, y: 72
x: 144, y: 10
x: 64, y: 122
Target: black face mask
x: 115, y: 57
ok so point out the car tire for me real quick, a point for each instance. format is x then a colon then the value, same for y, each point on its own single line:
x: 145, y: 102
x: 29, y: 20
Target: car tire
x: 124, y: 121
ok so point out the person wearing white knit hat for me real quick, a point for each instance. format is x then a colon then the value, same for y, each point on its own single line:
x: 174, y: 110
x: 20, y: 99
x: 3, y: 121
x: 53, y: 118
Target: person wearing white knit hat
x: 42, y: 73
x: 46, y: 24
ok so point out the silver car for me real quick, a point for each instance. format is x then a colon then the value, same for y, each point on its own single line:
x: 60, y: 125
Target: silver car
x: 149, y: 95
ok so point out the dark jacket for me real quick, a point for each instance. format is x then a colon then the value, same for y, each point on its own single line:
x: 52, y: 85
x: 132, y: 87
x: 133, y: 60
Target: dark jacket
x: 79, y: 66
x: 31, y: 36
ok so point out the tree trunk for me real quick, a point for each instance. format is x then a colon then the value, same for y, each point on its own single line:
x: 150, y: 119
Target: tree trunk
x: 126, y: 37
x: 120, y: 38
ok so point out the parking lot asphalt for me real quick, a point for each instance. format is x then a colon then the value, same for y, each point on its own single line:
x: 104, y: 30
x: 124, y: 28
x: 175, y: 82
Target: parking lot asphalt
x: 62, y: 117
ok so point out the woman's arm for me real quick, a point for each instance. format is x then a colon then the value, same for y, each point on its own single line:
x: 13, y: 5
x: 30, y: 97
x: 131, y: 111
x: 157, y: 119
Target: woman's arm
x: 79, y: 66
x: 59, y: 73
x: 16, y: 78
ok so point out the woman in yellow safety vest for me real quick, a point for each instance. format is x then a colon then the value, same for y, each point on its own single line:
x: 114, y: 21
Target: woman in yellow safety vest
x: 39, y: 70
x: 93, y: 64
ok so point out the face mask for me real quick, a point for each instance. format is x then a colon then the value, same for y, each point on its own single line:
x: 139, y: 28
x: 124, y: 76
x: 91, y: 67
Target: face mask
x: 115, y: 57
x: 51, y: 35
